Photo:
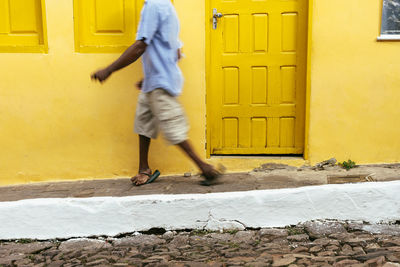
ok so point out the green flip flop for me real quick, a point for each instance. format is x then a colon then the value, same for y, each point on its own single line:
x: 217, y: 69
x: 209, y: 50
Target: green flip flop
x: 152, y: 176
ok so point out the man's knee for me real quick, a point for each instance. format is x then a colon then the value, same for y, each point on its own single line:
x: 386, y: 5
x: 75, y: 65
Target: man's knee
x: 175, y: 132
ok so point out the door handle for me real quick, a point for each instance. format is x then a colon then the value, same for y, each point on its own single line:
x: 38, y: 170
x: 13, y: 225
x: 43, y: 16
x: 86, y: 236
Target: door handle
x: 216, y: 16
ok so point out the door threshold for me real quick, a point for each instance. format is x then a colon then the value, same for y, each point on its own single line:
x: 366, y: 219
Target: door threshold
x: 246, y: 163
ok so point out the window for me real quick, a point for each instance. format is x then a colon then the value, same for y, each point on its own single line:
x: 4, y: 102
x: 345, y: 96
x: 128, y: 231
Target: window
x: 390, y: 29
x: 22, y: 26
x: 105, y: 25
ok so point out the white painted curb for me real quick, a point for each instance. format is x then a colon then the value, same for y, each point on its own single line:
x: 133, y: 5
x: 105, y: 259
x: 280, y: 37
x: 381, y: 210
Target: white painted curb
x: 79, y: 217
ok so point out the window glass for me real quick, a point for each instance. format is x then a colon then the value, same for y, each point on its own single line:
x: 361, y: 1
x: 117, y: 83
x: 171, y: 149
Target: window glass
x: 391, y: 17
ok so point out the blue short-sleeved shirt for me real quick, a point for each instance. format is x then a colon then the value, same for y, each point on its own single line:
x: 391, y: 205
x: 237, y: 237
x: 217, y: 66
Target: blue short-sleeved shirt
x: 159, y: 29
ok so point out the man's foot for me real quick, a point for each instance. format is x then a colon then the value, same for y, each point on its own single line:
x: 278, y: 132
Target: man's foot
x: 211, y: 174
x: 142, y: 177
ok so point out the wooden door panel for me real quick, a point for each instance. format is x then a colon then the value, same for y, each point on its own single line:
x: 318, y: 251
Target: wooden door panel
x: 256, y: 92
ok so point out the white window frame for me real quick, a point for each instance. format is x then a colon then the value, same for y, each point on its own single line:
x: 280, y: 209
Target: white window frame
x: 387, y: 37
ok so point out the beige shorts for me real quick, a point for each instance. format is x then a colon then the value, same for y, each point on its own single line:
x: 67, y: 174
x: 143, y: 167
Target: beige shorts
x: 158, y: 110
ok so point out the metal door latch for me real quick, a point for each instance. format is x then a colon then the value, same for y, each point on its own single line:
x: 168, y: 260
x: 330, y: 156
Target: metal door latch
x: 216, y: 16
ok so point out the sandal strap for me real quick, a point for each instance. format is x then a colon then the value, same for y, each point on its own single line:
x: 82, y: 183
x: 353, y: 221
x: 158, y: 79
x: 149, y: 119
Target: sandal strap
x: 148, y: 174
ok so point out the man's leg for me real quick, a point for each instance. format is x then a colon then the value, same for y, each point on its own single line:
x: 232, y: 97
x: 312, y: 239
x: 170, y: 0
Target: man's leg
x: 146, y: 128
x: 173, y: 123
x: 144, y: 145
x: 207, y: 170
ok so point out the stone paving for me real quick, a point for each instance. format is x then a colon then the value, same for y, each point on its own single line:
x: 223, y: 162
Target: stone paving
x: 327, y: 243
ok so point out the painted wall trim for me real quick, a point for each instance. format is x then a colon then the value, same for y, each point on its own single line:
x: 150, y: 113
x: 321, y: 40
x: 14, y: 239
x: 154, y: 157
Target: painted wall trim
x: 388, y: 37
x: 79, y: 217
x: 308, y: 81
x: 208, y: 65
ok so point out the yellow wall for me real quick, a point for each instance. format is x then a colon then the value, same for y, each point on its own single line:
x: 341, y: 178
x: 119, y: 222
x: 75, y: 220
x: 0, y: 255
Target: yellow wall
x: 56, y: 124
x: 355, y: 85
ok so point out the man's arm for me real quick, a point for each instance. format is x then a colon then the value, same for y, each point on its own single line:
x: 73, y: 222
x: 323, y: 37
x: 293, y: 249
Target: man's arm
x: 130, y: 55
x: 179, y: 54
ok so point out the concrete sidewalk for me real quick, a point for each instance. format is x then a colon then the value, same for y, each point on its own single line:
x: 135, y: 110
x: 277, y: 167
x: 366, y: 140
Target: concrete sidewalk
x: 268, y: 176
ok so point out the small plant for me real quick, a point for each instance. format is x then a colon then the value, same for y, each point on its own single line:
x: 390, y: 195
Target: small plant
x: 233, y: 245
x: 231, y: 231
x: 292, y: 230
x: 348, y: 164
x: 31, y: 257
x: 201, y: 232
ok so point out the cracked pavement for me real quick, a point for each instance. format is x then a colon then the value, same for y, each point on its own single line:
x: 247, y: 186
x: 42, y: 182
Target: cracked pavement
x: 318, y: 243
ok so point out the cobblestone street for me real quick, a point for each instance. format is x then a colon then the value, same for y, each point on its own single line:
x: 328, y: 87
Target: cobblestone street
x: 326, y: 243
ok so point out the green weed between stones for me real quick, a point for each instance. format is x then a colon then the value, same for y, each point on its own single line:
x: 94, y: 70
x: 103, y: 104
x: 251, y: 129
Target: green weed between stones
x: 230, y: 244
x: 232, y: 231
x: 348, y: 164
x: 206, y: 232
x: 294, y: 231
x: 234, y: 245
x: 31, y: 257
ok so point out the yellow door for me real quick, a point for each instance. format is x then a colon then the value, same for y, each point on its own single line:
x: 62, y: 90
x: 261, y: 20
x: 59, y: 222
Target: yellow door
x: 257, y: 73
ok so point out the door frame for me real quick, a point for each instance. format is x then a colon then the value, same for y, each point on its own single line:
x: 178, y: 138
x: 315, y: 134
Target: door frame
x: 208, y: 25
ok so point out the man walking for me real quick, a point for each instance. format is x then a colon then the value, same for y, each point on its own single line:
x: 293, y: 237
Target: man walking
x: 157, y: 41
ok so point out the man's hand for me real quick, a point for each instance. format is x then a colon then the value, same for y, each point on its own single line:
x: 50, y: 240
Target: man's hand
x: 128, y: 57
x: 139, y: 84
x: 179, y: 54
x: 101, y: 75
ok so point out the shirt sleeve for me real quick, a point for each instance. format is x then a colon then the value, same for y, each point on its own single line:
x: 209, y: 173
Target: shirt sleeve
x: 149, y: 21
